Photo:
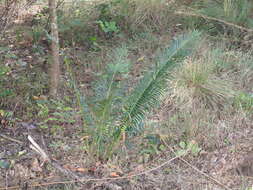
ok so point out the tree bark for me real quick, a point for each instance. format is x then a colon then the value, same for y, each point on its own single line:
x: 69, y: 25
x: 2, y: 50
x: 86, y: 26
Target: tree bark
x: 54, y: 71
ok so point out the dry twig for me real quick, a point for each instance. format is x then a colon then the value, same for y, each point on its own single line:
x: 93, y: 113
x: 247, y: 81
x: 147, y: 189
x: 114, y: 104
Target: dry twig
x: 196, y: 169
x: 11, y: 139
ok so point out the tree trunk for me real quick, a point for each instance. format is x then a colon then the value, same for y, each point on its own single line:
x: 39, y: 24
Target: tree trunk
x: 55, y: 63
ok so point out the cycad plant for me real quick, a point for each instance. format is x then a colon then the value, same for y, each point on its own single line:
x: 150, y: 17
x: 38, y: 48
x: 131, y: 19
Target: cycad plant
x: 113, y: 113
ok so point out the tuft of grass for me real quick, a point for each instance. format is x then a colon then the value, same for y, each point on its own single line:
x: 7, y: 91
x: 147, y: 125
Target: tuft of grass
x: 195, y: 85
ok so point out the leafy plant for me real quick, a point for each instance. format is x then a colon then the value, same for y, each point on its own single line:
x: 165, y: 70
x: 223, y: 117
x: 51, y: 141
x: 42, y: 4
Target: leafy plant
x: 108, y: 26
x: 37, y: 33
x: 101, y: 115
x: 186, y: 147
x: 94, y: 44
x: 6, y: 118
x: 54, y: 115
x: 113, y: 113
x: 3, y: 52
x: 152, y: 145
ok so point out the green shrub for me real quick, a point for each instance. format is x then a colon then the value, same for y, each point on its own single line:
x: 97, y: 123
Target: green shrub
x: 133, y: 16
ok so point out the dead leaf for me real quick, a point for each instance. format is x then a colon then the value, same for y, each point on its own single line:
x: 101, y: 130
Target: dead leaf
x: 69, y: 167
x: 140, y: 58
x: 39, y: 97
x: 82, y: 170
x: 2, y: 112
x: 114, y: 174
x: 85, y: 137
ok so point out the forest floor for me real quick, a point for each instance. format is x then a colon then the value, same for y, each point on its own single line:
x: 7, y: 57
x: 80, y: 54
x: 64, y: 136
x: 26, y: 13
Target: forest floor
x: 225, y: 160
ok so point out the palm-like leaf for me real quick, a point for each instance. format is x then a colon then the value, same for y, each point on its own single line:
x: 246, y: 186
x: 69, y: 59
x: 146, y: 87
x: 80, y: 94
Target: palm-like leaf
x: 152, y: 87
x: 107, y: 89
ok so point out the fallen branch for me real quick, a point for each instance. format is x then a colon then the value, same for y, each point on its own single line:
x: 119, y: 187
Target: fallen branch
x: 185, y: 13
x: 11, y: 139
x: 37, y: 149
x: 46, y: 158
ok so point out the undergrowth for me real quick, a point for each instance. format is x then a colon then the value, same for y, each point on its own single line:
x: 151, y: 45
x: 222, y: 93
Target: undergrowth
x: 199, y: 100
x: 111, y: 118
x: 206, y: 90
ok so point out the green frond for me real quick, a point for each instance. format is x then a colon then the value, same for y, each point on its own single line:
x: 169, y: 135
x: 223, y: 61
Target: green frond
x: 151, y: 88
x: 108, y: 88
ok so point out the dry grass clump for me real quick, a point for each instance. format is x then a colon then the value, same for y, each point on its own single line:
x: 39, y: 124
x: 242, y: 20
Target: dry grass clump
x: 195, y: 85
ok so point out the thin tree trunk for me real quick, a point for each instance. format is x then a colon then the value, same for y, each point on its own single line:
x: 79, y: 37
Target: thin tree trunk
x: 55, y: 64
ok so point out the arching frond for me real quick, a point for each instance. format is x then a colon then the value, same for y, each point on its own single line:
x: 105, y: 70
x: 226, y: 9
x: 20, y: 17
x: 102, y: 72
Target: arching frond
x: 151, y: 88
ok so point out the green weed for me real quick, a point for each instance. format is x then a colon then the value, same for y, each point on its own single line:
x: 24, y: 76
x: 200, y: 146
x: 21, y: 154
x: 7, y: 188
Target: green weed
x: 54, y: 115
x: 188, y: 147
x: 244, y: 101
x: 108, y: 27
